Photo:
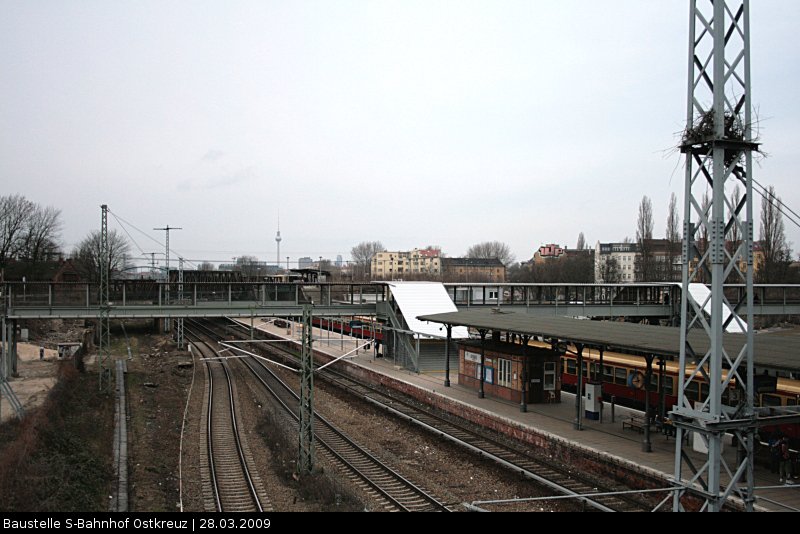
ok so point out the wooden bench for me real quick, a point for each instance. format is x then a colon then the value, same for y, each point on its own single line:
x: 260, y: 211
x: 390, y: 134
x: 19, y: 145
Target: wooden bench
x: 636, y: 422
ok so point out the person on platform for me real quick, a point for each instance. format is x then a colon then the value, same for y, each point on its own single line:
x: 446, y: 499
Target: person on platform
x: 786, y: 465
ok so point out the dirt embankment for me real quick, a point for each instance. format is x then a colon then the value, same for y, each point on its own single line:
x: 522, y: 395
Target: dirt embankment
x: 58, y: 458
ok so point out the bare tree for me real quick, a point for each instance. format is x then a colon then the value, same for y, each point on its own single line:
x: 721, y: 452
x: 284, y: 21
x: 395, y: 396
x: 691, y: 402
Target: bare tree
x: 581, y: 242
x: 609, y: 271
x: 492, y: 249
x: 14, y: 213
x: 644, y: 238
x: 249, y: 266
x: 362, y: 255
x: 673, y: 237
x: 772, y: 236
x: 40, y: 236
x: 87, y: 254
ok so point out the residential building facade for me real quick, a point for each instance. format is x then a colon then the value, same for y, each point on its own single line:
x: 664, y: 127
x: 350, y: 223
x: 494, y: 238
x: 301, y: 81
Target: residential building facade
x: 473, y: 270
x: 398, y: 264
x: 615, y: 262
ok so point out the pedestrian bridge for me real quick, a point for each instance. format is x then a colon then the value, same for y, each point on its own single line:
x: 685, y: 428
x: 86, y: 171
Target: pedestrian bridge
x: 129, y: 299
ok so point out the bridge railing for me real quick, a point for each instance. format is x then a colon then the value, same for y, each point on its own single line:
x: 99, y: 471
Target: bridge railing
x: 528, y: 294
x: 159, y: 293
x: 772, y: 294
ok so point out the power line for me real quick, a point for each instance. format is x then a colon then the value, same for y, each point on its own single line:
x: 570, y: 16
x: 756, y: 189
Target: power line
x: 148, y: 236
x: 779, y: 204
x: 128, y: 234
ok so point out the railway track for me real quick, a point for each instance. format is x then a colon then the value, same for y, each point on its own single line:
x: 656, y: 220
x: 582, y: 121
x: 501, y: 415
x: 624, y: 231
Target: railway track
x: 229, y: 482
x: 363, y: 468
x: 559, y: 480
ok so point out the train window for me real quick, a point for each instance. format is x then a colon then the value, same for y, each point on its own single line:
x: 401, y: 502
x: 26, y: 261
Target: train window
x: 620, y: 375
x: 654, y: 382
x: 595, y: 370
x: 691, y: 390
x: 583, y: 367
x: 704, y: 391
x: 572, y: 367
x: 770, y: 400
x: 549, y: 376
x: 608, y: 373
x: 791, y: 401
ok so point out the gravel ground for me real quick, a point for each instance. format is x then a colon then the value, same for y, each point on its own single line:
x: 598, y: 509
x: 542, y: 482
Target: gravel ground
x: 158, y: 381
x: 254, y: 406
x: 451, y: 474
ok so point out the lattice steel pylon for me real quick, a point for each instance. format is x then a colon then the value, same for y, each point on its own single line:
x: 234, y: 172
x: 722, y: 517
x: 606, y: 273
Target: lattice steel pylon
x: 718, y: 143
x: 180, y: 300
x: 166, y: 278
x: 104, y: 348
x: 305, y: 461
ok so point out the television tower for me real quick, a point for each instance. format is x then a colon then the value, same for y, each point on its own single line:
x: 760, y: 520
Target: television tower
x: 278, y: 241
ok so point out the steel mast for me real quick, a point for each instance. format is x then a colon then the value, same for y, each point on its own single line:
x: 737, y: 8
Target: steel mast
x: 166, y: 278
x: 104, y: 349
x: 718, y: 144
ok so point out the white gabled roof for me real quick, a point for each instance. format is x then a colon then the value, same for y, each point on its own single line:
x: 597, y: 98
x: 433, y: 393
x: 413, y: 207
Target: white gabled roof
x: 425, y: 298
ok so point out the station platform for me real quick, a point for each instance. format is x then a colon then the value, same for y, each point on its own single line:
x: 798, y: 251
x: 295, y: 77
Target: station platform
x: 607, y: 438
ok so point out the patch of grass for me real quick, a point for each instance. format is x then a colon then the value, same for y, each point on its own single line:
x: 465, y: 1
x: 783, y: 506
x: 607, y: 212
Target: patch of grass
x: 59, y: 457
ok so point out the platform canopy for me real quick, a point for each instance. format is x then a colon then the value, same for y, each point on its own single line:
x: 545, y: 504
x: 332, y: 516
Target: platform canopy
x: 770, y: 350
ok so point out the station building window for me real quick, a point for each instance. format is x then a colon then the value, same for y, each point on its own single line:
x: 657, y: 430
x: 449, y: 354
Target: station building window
x: 504, y: 372
x: 549, y: 376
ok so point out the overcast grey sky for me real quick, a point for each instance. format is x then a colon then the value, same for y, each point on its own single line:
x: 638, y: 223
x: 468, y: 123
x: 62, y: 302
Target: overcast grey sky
x: 412, y: 123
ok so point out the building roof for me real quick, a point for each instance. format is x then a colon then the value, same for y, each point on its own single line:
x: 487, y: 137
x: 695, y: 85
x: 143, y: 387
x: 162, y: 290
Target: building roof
x: 776, y: 352
x: 417, y: 298
x: 471, y: 262
x: 42, y: 271
x: 429, y: 252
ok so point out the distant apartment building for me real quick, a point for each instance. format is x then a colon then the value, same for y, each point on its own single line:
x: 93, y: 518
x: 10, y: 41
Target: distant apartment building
x: 615, y: 262
x: 473, y: 270
x: 305, y: 263
x: 398, y: 264
x: 625, y: 262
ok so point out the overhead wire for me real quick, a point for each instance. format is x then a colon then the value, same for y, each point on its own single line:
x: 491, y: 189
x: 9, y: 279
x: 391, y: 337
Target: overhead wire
x: 764, y: 192
x: 127, y: 233
x: 148, y: 236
